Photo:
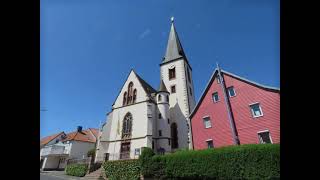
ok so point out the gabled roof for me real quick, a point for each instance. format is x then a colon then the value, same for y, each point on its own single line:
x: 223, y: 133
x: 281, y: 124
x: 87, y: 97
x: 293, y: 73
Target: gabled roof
x: 47, y: 139
x: 88, y: 135
x: 174, y: 48
x: 214, y: 74
x: 147, y: 88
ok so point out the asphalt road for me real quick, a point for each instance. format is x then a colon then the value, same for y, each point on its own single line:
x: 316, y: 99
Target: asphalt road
x: 49, y: 177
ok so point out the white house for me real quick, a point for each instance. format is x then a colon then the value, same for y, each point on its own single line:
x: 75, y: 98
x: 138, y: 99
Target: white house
x: 144, y: 117
x: 57, y: 149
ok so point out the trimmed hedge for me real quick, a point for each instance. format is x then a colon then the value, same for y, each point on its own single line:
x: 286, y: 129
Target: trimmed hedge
x: 145, y: 162
x: 79, y: 170
x: 122, y: 169
x: 256, y: 161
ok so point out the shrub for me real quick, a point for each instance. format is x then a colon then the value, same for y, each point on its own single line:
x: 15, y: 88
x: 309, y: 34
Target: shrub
x: 91, y: 153
x: 260, y: 161
x: 145, y: 162
x: 79, y: 170
x: 122, y: 169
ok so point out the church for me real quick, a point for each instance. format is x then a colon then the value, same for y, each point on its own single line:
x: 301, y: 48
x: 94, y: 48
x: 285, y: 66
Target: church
x: 143, y: 116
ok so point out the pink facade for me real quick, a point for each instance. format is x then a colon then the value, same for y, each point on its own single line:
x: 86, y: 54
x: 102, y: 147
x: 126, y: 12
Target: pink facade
x: 247, y: 126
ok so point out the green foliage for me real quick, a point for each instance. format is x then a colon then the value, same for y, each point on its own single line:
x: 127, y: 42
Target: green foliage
x: 145, y: 161
x: 260, y: 161
x: 91, y: 153
x: 122, y: 169
x: 79, y: 170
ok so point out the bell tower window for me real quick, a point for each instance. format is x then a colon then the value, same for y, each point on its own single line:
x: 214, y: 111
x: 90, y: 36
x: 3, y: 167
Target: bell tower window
x: 172, y: 73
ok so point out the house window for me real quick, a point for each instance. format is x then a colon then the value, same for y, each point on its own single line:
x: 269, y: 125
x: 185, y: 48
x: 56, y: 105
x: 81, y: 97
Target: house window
x: 256, y: 110
x: 190, y: 91
x: 215, y: 97
x: 160, y: 133
x: 189, y: 79
x: 167, y: 98
x: 159, y: 97
x: 152, y: 144
x: 168, y: 121
x: 160, y: 116
x: 207, y: 122
x: 209, y: 143
x: 169, y: 142
x: 172, y: 73
x: 231, y: 91
x: 264, y: 137
x: 173, y: 89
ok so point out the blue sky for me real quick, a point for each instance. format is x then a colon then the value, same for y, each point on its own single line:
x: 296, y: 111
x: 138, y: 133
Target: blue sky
x: 87, y: 49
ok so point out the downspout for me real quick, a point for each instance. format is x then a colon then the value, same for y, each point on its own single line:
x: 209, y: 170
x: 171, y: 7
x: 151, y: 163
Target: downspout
x: 236, y: 140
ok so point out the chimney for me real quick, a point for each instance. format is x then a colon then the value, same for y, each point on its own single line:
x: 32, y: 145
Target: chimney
x: 79, y: 128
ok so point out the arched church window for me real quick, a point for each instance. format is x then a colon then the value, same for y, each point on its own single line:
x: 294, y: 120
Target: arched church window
x: 124, y: 98
x: 127, y: 126
x: 159, y: 97
x: 130, y: 93
x: 134, y: 95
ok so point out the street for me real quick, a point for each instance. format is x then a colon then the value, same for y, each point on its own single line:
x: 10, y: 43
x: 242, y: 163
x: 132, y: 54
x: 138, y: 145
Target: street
x: 56, y: 175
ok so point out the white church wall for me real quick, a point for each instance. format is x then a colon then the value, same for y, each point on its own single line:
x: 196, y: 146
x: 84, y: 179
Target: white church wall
x: 141, y: 95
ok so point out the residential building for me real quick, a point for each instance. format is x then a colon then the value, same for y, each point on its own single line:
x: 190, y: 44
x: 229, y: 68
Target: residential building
x: 56, y: 150
x: 233, y: 110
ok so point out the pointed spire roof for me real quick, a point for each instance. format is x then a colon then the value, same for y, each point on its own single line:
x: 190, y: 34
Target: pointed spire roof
x: 162, y: 87
x: 174, y: 47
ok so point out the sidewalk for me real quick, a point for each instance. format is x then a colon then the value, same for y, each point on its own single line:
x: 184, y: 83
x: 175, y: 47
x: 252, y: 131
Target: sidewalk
x: 60, y: 174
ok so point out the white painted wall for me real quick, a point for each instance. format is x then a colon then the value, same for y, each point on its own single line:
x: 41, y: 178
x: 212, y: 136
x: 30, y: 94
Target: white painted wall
x: 162, y: 123
x: 79, y: 148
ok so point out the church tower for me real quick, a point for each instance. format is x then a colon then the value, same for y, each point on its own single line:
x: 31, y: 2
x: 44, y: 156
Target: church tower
x: 176, y: 73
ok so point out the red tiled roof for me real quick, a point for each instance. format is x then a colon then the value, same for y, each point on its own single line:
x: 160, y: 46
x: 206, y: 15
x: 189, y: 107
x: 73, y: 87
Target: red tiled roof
x: 47, y: 139
x: 88, y: 135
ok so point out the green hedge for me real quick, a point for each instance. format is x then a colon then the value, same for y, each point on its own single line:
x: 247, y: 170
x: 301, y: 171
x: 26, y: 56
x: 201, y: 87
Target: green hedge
x: 259, y: 161
x: 79, y: 170
x: 122, y: 169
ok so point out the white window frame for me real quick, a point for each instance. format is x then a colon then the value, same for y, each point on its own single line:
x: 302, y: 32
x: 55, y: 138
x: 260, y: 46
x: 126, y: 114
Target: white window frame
x: 205, y: 123
x: 253, y: 112
x: 263, y: 132
x: 208, y: 141
x: 233, y: 91
x: 212, y: 96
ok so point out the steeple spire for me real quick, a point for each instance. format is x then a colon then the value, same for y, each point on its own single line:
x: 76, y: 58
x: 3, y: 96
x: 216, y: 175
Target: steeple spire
x: 162, y: 87
x: 174, y: 48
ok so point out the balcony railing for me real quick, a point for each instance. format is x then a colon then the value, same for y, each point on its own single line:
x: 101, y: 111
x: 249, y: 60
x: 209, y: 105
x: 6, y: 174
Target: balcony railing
x: 55, y: 150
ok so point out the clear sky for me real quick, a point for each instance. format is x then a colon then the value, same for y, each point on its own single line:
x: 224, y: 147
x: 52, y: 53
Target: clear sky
x: 89, y: 46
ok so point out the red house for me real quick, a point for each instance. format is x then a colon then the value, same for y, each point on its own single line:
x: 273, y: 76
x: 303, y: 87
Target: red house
x: 233, y: 110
